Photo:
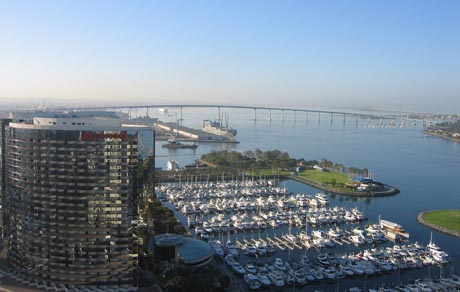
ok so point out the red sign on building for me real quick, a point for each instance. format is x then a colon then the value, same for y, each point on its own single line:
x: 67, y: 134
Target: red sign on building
x: 92, y: 136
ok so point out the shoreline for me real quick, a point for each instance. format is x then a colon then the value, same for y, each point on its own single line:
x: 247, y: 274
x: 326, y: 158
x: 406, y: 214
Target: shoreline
x: 390, y: 192
x: 441, y: 136
x: 436, y: 227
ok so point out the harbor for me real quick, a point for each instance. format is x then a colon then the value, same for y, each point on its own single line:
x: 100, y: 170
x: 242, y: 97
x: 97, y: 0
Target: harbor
x: 418, y: 190
x: 266, y: 236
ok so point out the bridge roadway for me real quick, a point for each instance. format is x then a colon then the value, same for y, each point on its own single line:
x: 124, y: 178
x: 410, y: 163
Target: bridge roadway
x: 220, y: 106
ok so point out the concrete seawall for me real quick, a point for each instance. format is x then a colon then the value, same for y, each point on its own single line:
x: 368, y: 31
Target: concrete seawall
x: 447, y: 231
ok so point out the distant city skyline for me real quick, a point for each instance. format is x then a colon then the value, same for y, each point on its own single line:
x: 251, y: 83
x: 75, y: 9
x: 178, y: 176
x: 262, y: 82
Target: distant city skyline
x: 390, y: 55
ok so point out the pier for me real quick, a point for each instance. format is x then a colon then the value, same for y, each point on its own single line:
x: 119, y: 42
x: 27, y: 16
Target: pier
x: 163, y: 131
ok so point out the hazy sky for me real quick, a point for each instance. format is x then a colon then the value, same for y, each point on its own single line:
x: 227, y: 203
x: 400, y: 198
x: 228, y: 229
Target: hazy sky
x: 381, y: 54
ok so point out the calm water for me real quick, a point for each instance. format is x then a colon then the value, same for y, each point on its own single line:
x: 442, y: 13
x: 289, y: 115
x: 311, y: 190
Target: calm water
x: 425, y: 169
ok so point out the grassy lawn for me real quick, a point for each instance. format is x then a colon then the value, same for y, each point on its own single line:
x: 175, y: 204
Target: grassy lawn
x: 265, y: 172
x: 324, y: 177
x: 446, y: 218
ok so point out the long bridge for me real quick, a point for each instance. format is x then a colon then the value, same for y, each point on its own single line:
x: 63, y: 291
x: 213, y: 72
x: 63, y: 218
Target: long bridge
x: 255, y: 109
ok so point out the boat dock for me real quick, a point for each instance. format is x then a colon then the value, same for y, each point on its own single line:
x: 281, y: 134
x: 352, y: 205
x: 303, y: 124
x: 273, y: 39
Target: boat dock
x: 305, y: 239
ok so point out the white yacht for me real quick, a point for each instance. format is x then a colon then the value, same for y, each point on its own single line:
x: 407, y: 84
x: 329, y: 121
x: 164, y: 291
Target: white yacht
x: 440, y: 256
x: 322, y: 198
x: 261, y: 250
x: 357, y: 239
x: 318, y: 234
x: 263, y: 278
x: 277, y: 279
x: 250, y: 268
x: 251, y: 249
x: 330, y: 273
x: 279, y: 264
x: 191, y: 221
x: 237, y: 268
x: 333, y: 233
x: 395, y: 228
x: 300, y: 277
x: 230, y: 260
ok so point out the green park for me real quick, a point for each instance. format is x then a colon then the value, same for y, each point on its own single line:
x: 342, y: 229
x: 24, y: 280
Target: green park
x: 449, y: 219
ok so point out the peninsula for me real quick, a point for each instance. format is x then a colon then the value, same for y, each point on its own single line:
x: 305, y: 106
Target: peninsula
x: 323, y: 174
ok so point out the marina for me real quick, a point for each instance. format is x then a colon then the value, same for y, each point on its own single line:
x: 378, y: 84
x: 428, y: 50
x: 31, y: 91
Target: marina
x: 392, y: 162
x: 273, y: 238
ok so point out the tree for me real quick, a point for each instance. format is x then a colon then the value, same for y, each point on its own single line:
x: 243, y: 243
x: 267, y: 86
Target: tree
x: 365, y: 172
x: 225, y: 281
x: 249, y: 154
x: 176, y: 284
x: 353, y: 170
x: 258, y: 153
x: 326, y: 163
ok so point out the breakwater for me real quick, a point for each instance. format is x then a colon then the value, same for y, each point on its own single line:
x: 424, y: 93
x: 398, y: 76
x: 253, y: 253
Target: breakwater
x: 436, y: 227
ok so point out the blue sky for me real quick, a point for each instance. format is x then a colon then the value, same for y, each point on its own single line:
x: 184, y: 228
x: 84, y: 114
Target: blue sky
x: 379, y: 54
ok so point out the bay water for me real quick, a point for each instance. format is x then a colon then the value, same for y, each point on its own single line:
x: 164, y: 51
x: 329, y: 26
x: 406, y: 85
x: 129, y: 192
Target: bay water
x: 425, y: 169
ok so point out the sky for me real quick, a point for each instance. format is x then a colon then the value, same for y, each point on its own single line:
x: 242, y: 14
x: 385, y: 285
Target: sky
x: 391, y: 55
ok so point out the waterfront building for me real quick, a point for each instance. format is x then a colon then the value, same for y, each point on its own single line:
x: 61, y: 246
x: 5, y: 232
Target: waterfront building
x: 71, y: 199
x: 172, y: 165
x: 188, y: 251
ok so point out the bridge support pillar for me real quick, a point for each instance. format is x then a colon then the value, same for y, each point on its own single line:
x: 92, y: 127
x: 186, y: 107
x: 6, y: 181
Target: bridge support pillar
x: 282, y: 115
x: 147, y: 112
x: 331, y: 118
x: 344, y: 119
x: 294, y: 116
x: 319, y: 117
x: 270, y: 114
x: 255, y: 115
x: 181, y: 119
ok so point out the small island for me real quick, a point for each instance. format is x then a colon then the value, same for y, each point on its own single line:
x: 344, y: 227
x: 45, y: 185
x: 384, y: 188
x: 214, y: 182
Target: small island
x: 446, y: 130
x: 445, y: 221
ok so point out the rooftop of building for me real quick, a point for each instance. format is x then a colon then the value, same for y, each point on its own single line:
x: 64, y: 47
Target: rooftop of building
x: 189, y: 250
x: 73, y: 121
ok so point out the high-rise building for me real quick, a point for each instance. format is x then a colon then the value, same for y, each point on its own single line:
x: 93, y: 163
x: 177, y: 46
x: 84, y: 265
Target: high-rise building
x: 71, y: 201
x: 3, y: 126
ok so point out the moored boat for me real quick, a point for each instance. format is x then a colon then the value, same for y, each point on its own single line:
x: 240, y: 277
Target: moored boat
x: 395, y: 228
